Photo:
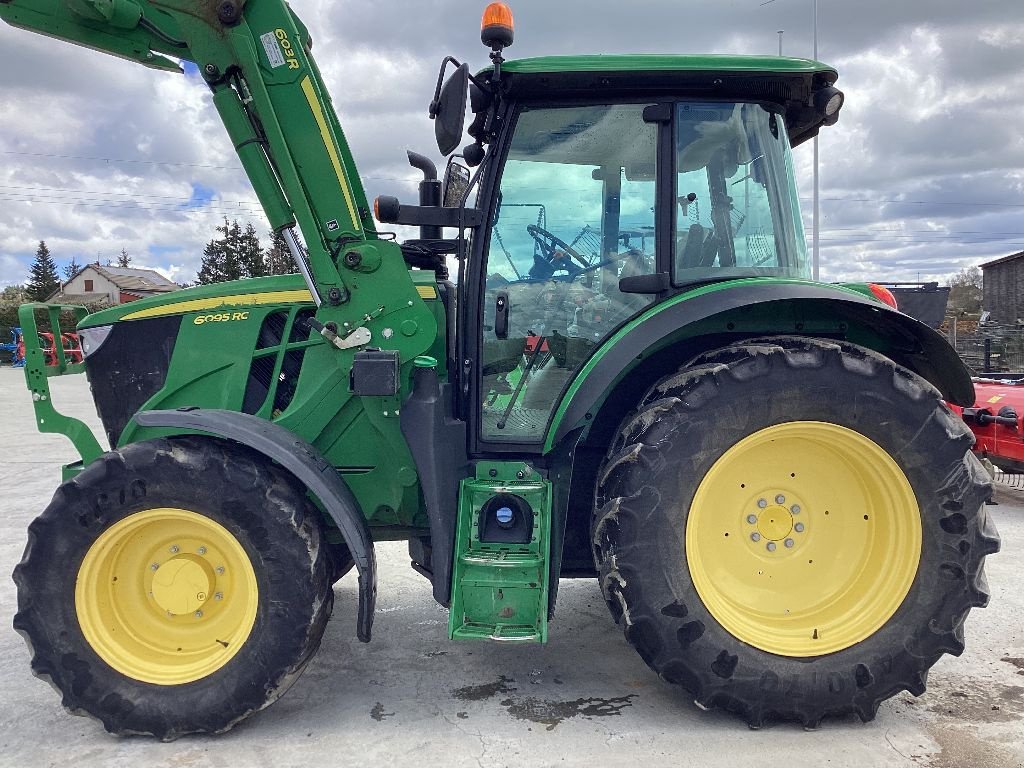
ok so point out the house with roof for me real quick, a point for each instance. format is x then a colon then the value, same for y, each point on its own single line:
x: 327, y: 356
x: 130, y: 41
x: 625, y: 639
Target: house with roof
x: 95, y: 284
x: 1004, y: 289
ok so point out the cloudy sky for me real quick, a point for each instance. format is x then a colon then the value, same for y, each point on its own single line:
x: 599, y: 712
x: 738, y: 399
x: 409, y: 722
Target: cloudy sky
x: 923, y: 175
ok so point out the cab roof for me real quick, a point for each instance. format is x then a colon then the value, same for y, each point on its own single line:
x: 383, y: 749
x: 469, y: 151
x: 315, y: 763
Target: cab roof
x: 646, y: 62
x: 787, y: 82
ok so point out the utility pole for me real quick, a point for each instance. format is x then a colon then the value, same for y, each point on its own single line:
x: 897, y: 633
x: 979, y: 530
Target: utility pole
x: 816, y: 217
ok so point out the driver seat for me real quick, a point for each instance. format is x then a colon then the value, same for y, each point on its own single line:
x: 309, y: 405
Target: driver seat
x: 690, y: 248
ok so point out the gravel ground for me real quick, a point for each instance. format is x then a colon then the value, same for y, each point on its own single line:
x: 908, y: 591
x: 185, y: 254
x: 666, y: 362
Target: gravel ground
x: 411, y: 697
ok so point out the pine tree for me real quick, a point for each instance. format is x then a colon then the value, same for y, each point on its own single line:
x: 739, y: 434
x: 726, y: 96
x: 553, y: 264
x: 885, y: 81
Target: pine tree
x: 221, y: 256
x: 211, y: 268
x: 278, y: 258
x: 43, y: 277
x: 72, y: 268
x: 250, y: 255
x: 124, y: 260
x: 232, y: 250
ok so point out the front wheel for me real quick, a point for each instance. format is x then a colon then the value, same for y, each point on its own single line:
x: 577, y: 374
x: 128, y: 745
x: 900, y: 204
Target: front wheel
x: 793, y: 528
x: 173, y: 587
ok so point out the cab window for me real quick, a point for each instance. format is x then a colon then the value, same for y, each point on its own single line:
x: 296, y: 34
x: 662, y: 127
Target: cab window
x: 737, y: 213
x: 575, y: 215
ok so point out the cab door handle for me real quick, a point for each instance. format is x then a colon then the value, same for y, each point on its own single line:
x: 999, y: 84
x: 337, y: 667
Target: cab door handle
x: 501, y: 315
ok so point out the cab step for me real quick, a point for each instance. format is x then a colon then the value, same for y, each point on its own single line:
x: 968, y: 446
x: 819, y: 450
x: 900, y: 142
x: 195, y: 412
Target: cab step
x: 500, y: 579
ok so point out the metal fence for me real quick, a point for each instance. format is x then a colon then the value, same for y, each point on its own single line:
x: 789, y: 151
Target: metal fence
x: 991, y: 349
x: 1010, y: 480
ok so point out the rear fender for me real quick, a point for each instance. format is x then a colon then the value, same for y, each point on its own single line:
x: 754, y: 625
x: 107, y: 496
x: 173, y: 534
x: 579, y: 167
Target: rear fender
x: 307, y: 465
x: 715, y: 315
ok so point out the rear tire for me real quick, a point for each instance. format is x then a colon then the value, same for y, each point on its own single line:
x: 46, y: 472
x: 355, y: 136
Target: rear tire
x: 702, y: 615
x: 175, y: 586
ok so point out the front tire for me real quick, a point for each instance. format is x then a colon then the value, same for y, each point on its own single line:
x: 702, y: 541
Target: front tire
x: 793, y: 528
x: 175, y: 586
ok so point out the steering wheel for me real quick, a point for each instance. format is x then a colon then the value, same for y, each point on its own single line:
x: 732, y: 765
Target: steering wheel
x: 549, y: 245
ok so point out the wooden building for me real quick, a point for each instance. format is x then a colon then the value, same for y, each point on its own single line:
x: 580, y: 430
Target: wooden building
x: 1004, y: 289
x: 93, y: 285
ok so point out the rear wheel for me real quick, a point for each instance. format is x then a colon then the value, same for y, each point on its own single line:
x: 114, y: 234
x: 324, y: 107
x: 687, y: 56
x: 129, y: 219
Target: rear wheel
x: 173, y: 587
x: 793, y: 528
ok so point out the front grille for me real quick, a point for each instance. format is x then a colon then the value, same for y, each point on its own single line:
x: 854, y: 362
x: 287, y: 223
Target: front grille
x: 129, y: 368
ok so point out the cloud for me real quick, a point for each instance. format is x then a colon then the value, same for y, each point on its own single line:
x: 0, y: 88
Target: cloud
x: 922, y: 175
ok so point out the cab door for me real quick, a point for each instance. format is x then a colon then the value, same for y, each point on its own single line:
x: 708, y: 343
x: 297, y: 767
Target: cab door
x: 574, y: 213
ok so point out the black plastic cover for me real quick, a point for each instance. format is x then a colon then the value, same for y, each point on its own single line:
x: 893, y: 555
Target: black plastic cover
x: 437, y: 442
x: 130, y: 367
x: 374, y: 373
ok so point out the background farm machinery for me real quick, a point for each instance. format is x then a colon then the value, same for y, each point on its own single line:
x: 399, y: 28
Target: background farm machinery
x: 70, y: 344
x: 997, y: 423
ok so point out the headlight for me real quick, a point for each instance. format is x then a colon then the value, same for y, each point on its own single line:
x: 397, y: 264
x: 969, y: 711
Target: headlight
x: 93, y: 338
x: 828, y: 102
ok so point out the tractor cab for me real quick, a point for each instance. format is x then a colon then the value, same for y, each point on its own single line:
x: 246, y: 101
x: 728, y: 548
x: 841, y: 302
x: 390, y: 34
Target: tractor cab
x: 601, y: 209
x: 605, y: 185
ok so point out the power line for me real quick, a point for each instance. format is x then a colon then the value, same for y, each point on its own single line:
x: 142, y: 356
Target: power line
x: 170, y: 163
x: 915, y: 232
x: 128, y: 205
x: 99, y: 193
x: 971, y: 240
x: 916, y: 202
x: 181, y: 205
x: 124, y: 160
x: 409, y: 180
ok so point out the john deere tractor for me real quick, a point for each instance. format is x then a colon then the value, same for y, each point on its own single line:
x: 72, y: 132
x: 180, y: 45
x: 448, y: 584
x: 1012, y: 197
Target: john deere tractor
x: 632, y: 379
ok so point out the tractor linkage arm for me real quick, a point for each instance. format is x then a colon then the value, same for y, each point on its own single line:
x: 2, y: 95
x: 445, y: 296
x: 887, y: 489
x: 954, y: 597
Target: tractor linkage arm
x: 255, y: 57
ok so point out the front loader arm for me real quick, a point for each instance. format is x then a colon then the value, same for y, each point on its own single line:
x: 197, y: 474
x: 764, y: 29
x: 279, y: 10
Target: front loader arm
x: 254, y: 55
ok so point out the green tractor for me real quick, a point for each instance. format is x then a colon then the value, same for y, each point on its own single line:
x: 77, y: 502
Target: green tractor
x: 633, y: 378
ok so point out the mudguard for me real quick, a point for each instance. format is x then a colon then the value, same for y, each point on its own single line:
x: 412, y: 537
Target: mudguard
x: 798, y: 306
x: 308, y: 466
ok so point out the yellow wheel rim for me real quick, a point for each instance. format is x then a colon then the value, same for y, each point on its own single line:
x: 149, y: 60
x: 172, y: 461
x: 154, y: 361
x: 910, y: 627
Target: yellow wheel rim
x: 803, y: 538
x: 166, y: 596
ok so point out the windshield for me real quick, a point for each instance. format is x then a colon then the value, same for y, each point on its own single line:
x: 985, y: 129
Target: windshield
x: 737, y: 213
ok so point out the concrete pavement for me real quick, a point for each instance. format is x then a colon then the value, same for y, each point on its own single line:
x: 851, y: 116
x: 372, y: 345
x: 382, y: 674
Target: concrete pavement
x: 411, y: 697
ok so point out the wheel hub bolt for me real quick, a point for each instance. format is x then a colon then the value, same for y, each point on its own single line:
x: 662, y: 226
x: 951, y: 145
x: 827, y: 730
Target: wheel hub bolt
x: 155, y: 567
x: 799, y: 527
x: 199, y: 614
x: 218, y: 596
x: 771, y: 546
x: 751, y: 519
x: 201, y: 550
x: 789, y: 543
x: 762, y: 503
x: 795, y: 509
x: 220, y: 569
x: 755, y: 536
x: 175, y: 549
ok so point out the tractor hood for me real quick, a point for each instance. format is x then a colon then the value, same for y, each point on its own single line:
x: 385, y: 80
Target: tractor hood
x: 280, y: 289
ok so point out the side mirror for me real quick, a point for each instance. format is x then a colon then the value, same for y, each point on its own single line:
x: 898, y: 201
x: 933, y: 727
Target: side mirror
x: 450, y: 110
x: 456, y: 182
